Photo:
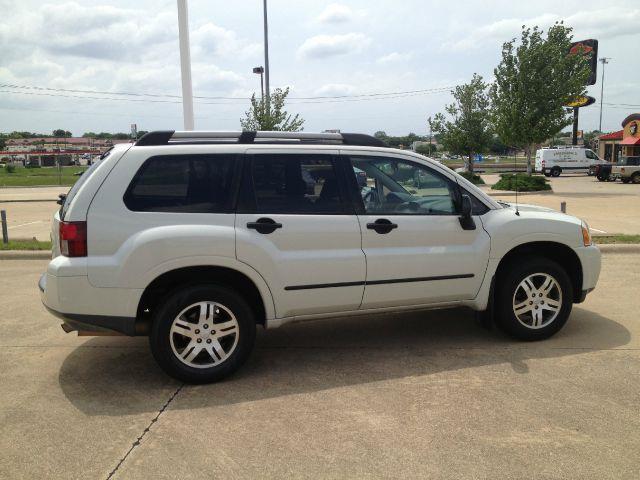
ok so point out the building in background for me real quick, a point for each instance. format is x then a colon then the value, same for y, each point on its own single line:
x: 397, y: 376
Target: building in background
x: 625, y: 142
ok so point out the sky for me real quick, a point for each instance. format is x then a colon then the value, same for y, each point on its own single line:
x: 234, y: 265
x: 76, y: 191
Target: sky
x: 57, y: 60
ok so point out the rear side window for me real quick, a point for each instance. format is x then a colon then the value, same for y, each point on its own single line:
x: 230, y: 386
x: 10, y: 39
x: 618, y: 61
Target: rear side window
x: 182, y: 184
x: 293, y: 184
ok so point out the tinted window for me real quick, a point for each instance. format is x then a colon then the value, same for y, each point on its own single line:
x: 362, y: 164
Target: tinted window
x: 590, y: 155
x: 305, y: 184
x: 182, y: 183
x: 394, y: 186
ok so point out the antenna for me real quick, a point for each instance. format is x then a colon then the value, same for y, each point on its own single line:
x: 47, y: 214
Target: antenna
x: 515, y: 167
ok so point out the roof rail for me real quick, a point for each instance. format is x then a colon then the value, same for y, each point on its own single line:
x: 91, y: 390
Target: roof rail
x: 171, y: 137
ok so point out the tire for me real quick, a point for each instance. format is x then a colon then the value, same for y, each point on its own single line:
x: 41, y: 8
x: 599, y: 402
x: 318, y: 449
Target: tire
x: 556, y: 171
x: 530, y: 324
x: 602, y: 178
x: 635, y: 178
x: 177, y: 332
x: 547, y: 173
x: 626, y: 179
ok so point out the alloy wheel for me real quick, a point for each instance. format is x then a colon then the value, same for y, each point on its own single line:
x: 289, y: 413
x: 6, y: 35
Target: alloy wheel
x: 537, y: 300
x: 204, y: 334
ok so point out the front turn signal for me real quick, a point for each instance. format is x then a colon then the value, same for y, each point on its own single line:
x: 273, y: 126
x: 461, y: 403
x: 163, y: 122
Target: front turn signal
x: 586, y: 234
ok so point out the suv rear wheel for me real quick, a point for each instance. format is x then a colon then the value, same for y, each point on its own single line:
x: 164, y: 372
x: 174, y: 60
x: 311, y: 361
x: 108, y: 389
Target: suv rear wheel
x: 556, y: 171
x: 534, y: 299
x: 202, y: 333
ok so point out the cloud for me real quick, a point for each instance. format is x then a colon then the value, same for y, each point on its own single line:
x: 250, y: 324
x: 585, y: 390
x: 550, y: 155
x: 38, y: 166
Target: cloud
x: 600, y: 24
x: 335, y: 90
x: 336, y: 13
x: 323, y: 46
x: 210, y: 38
x: 395, y: 57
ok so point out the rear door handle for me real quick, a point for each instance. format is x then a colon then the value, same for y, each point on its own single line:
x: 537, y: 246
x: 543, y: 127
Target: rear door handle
x: 264, y: 225
x: 382, y: 225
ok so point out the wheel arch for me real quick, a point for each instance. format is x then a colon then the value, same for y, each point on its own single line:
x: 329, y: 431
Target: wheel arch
x: 557, y: 252
x: 224, y: 276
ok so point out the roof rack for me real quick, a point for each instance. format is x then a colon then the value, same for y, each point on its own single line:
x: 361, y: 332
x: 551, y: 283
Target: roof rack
x: 171, y: 137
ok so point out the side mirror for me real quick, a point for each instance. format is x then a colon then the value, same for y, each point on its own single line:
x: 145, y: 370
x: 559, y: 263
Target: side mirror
x: 466, y: 220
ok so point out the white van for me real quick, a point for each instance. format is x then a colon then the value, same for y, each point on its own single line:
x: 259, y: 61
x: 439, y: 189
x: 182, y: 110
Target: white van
x: 555, y: 160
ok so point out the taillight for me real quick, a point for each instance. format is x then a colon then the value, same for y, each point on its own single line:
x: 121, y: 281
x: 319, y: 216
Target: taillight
x: 73, y: 239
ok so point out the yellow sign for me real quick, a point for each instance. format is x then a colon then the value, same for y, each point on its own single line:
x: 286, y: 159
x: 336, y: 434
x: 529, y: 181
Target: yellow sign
x: 581, y: 102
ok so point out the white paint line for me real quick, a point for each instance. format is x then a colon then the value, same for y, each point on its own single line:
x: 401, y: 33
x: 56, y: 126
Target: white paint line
x: 596, y: 230
x: 24, y: 224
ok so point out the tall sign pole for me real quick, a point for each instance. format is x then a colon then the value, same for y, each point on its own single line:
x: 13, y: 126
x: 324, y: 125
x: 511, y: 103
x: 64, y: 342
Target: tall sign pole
x: 185, y: 65
x: 266, y: 56
x: 603, y: 61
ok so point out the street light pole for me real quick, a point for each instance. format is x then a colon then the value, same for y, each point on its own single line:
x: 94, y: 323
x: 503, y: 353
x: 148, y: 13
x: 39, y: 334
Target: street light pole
x: 185, y: 65
x: 260, y: 70
x: 266, y: 55
x: 603, y: 61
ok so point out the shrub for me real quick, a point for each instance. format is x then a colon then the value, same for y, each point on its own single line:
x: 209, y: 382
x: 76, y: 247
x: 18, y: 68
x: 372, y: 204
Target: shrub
x: 10, y: 168
x: 473, y: 178
x: 32, y: 165
x: 524, y: 182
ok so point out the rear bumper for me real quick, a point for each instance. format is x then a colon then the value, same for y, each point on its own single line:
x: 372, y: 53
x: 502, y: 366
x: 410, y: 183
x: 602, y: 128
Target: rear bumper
x: 87, y: 323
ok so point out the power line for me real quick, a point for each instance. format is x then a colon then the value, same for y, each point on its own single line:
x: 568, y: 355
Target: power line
x: 167, y: 95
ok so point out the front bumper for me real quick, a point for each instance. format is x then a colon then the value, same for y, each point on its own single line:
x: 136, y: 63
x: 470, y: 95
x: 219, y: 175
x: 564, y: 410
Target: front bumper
x: 89, y: 324
x: 590, y: 259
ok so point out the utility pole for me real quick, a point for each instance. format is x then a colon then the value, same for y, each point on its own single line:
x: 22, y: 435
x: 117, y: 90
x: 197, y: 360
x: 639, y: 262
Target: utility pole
x: 266, y: 57
x: 185, y: 65
x: 603, y: 61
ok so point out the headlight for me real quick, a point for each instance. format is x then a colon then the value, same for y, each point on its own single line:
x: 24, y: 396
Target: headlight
x: 586, y: 234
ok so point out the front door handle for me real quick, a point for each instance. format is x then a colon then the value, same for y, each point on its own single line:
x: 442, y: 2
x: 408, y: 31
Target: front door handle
x: 382, y: 225
x: 264, y: 225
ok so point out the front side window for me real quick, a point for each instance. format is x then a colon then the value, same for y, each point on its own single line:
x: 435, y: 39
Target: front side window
x: 294, y: 184
x: 182, y: 184
x: 397, y: 187
x: 591, y: 155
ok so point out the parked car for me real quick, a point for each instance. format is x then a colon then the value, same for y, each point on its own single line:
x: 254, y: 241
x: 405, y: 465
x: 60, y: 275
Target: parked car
x: 553, y: 161
x: 603, y: 172
x: 627, y: 169
x: 194, y: 242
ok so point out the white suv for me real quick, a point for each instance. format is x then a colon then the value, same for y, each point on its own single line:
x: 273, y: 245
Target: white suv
x: 194, y: 238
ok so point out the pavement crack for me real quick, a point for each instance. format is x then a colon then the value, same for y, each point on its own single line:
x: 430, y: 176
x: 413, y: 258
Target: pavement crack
x: 136, y: 443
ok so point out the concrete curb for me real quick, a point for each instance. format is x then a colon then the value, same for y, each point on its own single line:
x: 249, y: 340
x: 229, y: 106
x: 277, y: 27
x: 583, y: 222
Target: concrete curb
x: 629, y: 248
x: 25, y: 254
x: 31, y: 200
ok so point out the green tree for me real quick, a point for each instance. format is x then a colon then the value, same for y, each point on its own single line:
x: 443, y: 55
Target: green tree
x: 271, y: 116
x: 426, y: 149
x: 62, y: 133
x: 533, y: 83
x: 591, y: 139
x: 467, y: 130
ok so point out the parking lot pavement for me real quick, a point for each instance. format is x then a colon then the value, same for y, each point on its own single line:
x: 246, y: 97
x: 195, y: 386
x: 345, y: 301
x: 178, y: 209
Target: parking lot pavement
x: 608, y: 207
x: 409, y: 396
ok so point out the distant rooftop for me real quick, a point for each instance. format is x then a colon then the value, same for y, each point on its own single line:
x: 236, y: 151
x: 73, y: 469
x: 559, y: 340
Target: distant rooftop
x: 612, y: 136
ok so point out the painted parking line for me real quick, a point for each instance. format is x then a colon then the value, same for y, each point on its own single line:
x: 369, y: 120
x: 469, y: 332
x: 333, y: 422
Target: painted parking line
x: 596, y: 230
x: 24, y: 224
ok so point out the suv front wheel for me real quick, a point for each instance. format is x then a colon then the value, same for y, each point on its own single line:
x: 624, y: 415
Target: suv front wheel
x: 203, y: 333
x: 534, y: 299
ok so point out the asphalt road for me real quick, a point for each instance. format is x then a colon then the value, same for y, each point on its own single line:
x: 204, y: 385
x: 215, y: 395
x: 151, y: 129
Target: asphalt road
x: 409, y: 396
